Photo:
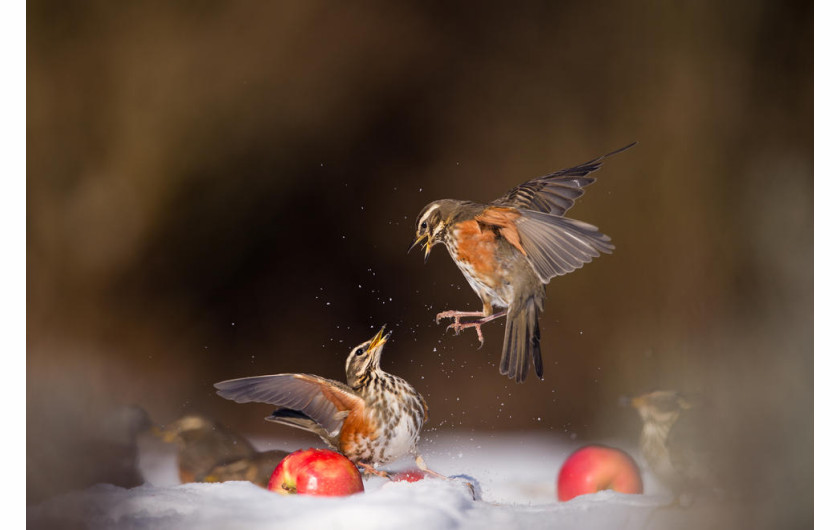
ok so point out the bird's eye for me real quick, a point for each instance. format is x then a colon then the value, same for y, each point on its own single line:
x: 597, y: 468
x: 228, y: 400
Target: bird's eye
x: 360, y: 351
x: 423, y: 225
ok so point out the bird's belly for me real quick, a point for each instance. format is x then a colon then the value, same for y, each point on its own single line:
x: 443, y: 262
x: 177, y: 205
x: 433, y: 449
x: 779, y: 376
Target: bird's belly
x: 474, y: 251
x: 389, y: 441
x: 403, y: 441
x: 498, y: 290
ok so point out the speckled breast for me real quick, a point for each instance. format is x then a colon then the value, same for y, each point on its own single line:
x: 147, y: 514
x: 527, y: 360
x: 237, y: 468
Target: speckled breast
x: 393, y: 417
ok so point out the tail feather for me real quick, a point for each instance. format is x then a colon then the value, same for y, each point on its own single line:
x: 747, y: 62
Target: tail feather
x: 522, y: 341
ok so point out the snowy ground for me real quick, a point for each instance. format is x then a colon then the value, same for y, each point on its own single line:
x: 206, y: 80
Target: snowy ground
x: 516, y: 474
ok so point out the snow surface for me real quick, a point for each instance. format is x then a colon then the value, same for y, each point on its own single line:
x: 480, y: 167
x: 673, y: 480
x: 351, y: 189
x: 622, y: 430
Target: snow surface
x: 515, y: 473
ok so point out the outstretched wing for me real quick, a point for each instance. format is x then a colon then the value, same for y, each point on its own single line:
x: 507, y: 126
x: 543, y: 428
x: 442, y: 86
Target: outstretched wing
x: 557, y: 245
x: 325, y: 401
x: 556, y: 193
x: 554, y: 245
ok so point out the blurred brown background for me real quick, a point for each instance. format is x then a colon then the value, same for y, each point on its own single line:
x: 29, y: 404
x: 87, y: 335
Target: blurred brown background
x: 221, y: 189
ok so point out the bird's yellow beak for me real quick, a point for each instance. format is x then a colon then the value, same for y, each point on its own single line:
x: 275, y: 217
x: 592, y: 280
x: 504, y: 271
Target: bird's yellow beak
x: 380, y: 339
x: 164, y: 434
x: 416, y: 241
x: 427, y: 245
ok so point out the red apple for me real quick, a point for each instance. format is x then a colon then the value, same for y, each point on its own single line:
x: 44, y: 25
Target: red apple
x: 316, y: 472
x: 409, y: 475
x: 597, y: 467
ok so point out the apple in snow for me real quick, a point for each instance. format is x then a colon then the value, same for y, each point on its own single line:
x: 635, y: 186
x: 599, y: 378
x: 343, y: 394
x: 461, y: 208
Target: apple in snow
x: 316, y: 472
x: 597, y: 467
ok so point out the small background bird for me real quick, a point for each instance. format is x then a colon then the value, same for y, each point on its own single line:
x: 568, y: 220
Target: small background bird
x: 509, y: 249
x: 677, y: 445
x: 210, y: 452
x: 373, y: 419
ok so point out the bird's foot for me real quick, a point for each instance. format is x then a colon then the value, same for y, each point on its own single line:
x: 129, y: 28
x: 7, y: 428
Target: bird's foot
x: 425, y: 469
x: 457, y: 315
x: 459, y: 480
x: 457, y: 326
x: 370, y: 470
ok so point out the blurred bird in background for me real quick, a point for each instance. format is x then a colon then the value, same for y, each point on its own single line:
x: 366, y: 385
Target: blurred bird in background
x: 510, y: 249
x: 675, y: 444
x: 209, y: 452
x: 373, y: 419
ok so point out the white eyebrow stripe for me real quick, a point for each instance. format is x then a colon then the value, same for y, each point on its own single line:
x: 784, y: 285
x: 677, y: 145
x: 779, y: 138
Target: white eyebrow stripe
x: 428, y: 213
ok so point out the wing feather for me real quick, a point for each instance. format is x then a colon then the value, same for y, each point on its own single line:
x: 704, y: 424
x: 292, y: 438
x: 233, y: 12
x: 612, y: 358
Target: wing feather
x: 555, y: 193
x: 323, y: 400
x: 558, y: 245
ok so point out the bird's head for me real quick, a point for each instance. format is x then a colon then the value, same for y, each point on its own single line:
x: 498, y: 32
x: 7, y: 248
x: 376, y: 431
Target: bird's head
x: 662, y: 407
x: 184, y: 429
x: 364, y: 359
x: 431, y: 224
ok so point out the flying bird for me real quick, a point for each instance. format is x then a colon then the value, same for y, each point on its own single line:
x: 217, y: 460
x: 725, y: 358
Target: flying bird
x: 509, y: 249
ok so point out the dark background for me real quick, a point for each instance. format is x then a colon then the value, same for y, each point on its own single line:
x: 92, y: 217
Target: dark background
x: 217, y: 190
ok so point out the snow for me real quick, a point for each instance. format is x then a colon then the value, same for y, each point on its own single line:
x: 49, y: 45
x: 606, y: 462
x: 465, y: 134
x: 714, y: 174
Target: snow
x: 515, y: 475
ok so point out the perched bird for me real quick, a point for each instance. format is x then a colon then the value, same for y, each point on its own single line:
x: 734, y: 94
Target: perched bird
x: 373, y: 419
x: 675, y: 448
x: 509, y: 249
x: 256, y: 468
x: 209, y: 452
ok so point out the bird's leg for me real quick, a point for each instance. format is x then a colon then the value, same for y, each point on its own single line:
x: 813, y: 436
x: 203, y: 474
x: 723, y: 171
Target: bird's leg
x: 457, y: 326
x: 457, y: 315
x: 425, y: 469
x: 373, y: 471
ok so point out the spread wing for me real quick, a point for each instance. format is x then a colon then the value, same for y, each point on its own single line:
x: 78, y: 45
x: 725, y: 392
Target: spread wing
x: 531, y: 218
x: 554, y: 245
x: 558, y: 245
x: 324, y: 401
x: 556, y: 193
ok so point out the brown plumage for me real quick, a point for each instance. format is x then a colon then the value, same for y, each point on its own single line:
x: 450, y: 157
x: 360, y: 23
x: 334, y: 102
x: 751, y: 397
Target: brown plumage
x: 210, y: 452
x: 509, y: 249
x: 373, y: 419
x: 675, y: 444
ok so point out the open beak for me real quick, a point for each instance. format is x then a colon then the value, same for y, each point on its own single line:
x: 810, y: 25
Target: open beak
x: 416, y: 241
x: 427, y: 245
x: 380, y: 339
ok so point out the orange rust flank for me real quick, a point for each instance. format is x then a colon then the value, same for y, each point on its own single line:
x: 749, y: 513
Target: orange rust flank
x: 355, y: 426
x: 477, y: 247
x: 505, y: 220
